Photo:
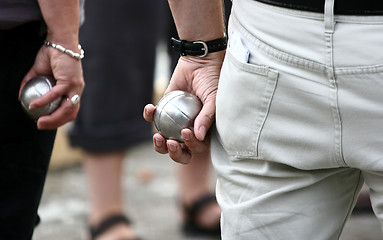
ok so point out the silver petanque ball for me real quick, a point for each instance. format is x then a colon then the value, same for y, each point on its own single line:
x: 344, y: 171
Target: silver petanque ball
x: 176, y: 111
x: 35, y: 88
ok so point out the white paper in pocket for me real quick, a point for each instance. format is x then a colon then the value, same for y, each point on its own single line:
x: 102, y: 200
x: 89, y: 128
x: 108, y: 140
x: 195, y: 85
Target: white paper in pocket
x: 237, y: 48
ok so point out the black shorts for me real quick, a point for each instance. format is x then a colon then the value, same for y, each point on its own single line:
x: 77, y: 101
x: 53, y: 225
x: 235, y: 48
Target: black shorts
x: 119, y: 39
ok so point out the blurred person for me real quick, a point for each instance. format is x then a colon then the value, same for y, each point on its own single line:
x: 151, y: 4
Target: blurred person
x: 297, y: 106
x: 26, y: 146
x: 121, y: 37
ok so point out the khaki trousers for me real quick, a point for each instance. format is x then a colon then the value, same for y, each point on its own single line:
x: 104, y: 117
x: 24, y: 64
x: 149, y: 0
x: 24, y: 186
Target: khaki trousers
x: 299, y: 123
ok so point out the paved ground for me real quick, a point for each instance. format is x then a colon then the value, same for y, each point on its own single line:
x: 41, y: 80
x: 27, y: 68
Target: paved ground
x: 152, y: 202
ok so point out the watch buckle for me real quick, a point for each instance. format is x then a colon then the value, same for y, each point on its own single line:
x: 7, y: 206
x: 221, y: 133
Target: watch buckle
x: 204, y: 48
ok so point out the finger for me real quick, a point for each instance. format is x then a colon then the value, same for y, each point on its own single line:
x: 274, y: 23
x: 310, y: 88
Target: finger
x: 178, y: 153
x: 191, y: 141
x: 65, y: 113
x: 159, y: 144
x: 149, y: 112
x: 204, y: 120
x: 55, y: 93
x: 50, y: 122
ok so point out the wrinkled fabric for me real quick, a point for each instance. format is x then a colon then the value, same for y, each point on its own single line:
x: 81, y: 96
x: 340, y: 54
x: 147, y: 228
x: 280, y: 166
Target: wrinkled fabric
x: 298, y: 122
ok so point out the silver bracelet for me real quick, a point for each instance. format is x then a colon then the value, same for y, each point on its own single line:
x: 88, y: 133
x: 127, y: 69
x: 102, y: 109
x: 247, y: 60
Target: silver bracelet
x: 78, y: 56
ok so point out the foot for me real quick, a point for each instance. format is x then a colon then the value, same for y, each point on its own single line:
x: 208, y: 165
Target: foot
x: 112, y: 228
x: 209, y: 215
x: 119, y: 231
x: 202, y: 217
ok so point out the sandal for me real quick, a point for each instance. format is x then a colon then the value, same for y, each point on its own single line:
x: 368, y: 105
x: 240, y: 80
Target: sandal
x: 107, y: 223
x: 191, y: 227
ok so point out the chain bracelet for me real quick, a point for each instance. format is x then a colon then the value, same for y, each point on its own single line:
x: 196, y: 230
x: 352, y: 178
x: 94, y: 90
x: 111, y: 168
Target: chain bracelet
x: 78, y: 56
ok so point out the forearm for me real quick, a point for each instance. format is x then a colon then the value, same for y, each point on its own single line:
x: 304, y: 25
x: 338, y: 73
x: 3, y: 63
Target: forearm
x: 198, y: 19
x: 63, y: 19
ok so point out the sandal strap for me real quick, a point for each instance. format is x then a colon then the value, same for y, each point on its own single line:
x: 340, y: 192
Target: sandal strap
x: 191, y: 226
x: 107, y: 223
x: 197, y: 206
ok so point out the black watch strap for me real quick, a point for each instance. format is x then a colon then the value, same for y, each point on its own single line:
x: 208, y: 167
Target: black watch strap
x: 198, y: 48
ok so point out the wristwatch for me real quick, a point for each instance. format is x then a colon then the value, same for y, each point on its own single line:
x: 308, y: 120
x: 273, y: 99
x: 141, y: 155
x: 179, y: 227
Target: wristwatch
x: 198, y: 48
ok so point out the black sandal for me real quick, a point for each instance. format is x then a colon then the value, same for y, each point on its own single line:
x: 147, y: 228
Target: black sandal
x: 191, y: 227
x: 107, y: 223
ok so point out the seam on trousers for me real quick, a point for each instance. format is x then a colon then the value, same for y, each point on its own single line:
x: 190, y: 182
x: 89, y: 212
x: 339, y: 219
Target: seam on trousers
x: 372, y: 69
x: 276, y: 53
x: 350, y: 209
x: 300, y: 62
x: 329, y: 26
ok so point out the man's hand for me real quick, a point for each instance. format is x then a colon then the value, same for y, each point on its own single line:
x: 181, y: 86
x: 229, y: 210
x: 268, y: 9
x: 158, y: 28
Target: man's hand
x: 183, y: 153
x: 200, y: 77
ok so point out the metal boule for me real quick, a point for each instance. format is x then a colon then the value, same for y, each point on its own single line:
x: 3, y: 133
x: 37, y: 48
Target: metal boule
x: 35, y: 88
x: 175, y: 111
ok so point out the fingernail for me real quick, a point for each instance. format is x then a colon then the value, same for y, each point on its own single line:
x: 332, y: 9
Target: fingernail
x: 30, y: 107
x: 158, y: 142
x: 202, y: 130
x: 172, y: 147
x: 187, y: 136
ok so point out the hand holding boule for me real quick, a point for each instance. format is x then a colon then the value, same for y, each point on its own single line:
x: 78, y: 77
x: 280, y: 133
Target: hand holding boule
x: 175, y: 111
x: 35, y: 88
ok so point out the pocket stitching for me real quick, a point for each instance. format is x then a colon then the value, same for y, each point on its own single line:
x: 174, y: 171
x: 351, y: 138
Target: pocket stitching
x: 268, y: 93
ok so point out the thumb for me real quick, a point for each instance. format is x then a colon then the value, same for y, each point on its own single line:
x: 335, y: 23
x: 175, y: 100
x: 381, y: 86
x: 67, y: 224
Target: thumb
x: 204, y: 120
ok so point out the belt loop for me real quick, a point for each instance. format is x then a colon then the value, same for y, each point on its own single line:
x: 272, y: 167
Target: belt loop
x: 329, y: 31
x: 329, y: 16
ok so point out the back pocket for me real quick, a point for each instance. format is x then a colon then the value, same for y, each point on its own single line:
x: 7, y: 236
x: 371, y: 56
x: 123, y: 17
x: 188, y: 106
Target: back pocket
x: 244, y: 96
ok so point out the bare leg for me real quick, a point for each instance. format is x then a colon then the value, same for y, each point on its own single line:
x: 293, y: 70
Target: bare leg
x: 363, y: 204
x: 103, y: 173
x: 194, y: 183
